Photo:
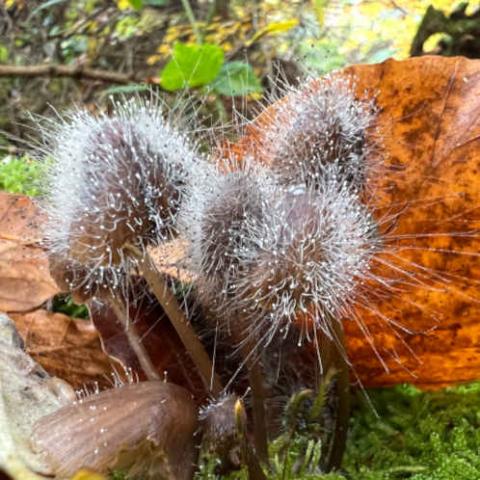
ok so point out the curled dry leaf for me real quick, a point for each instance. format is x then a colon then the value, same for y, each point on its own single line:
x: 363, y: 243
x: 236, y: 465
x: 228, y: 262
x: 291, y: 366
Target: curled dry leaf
x: 421, y: 325
x: 25, y: 281
x: 27, y: 393
x: 66, y: 347
x: 146, y: 429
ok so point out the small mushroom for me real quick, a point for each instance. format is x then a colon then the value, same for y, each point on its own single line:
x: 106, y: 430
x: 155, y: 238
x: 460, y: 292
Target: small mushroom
x: 145, y: 429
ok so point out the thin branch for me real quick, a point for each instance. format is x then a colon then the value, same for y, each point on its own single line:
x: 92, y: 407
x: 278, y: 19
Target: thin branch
x: 73, y: 71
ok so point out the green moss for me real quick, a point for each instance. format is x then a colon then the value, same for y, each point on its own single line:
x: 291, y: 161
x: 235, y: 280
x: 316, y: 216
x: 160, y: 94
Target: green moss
x: 403, y: 433
x: 63, y: 303
x: 416, y: 435
x: 21, y: 175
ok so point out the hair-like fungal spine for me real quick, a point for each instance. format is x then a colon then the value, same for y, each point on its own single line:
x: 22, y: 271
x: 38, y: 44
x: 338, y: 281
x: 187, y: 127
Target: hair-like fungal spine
x: 220, y: 211
x: 314, y: 127
x: 116, y: 180
x: 269, y: 255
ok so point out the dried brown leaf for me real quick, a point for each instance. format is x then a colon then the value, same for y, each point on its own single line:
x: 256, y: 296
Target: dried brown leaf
x: 67, y: 348
x: 25, y: 281
x: 20, y: 218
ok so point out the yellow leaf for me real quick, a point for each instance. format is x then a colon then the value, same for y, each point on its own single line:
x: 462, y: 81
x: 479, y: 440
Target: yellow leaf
x: 227, y: 46
x: 432, y: 41
x: 88, y: 475
x: 153, y: 59
x: 273, y: 28
x: 123, y: 4
x: 319, y: 7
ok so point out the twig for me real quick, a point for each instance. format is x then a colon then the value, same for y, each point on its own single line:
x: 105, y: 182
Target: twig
x: 66, y: 34
x: 73, y: 71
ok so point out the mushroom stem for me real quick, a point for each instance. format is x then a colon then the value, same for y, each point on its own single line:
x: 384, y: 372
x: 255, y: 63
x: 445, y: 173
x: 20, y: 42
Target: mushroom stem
x: 337, y: 446
x: 254, y: 468
x: 133, y: 339
x: 257, y: 385
x: 255, y: 376
x: 189, y: 338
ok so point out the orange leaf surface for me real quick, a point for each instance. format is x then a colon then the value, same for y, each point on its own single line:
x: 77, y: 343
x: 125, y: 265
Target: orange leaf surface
x: 425, y: 327
x: 430, y: 126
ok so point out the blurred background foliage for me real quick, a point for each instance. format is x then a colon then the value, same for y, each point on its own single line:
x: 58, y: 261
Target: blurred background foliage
x: 226, y: 55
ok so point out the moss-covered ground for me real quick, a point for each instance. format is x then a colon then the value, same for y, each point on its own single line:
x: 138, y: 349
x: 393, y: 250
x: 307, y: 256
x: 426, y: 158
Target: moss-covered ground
x: 20, y: 175
x: 416, y: 435
x: 404, y: 433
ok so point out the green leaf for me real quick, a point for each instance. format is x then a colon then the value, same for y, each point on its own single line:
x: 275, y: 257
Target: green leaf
x: 3, y: 53
x: 191, y: 66
x: 236, y: 79
x: 136, y: 4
